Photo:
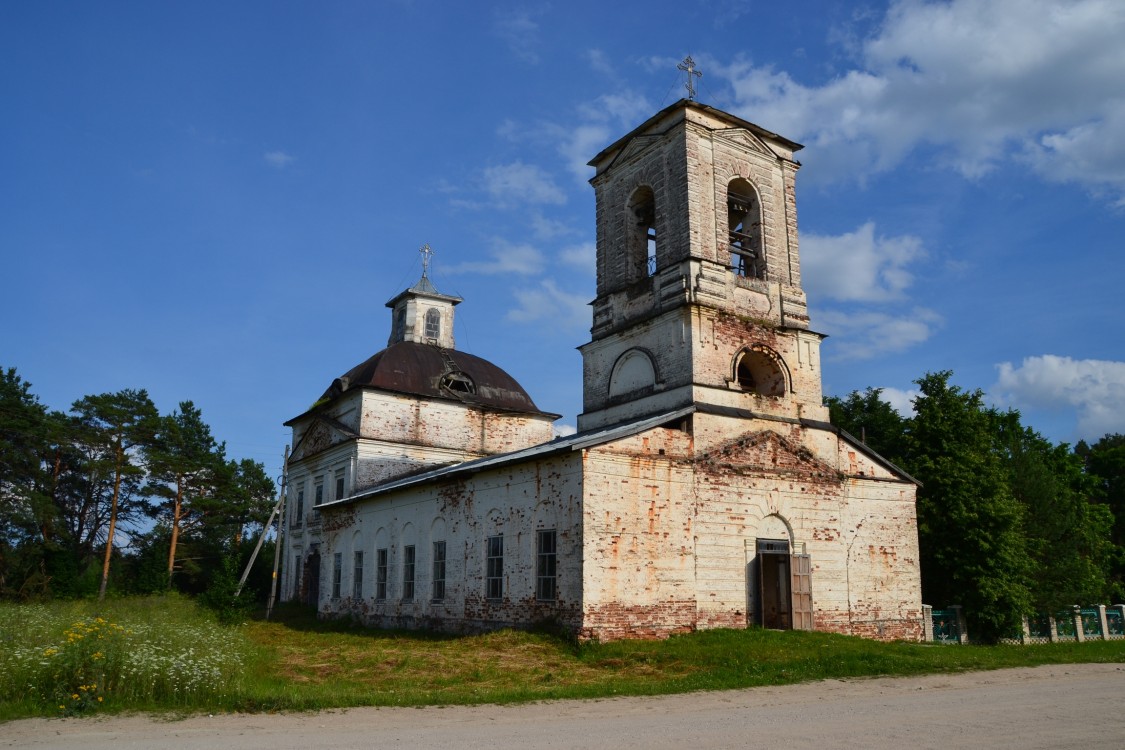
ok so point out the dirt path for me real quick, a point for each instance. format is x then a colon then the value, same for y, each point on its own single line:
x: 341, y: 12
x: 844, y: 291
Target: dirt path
x: 1074, y: 705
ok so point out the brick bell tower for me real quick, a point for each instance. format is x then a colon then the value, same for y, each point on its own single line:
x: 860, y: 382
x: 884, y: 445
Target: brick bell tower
x: 699, y: 298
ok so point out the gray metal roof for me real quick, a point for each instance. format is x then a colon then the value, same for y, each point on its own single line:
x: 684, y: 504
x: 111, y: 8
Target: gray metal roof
x: 578, y: 441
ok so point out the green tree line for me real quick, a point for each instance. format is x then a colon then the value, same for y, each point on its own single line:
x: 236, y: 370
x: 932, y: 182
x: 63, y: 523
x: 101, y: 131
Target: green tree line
x: 114, y: 496
x: 1008, y: 523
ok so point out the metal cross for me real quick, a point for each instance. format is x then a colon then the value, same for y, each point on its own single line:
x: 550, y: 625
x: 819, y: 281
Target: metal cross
x: 688, y: 66
x: 427, y: 254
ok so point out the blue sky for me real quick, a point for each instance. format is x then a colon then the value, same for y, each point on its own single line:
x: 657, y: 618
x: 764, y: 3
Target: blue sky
x: 214, y: 201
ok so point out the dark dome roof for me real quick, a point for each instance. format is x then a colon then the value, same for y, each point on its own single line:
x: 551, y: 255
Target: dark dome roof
x: 430, y: 371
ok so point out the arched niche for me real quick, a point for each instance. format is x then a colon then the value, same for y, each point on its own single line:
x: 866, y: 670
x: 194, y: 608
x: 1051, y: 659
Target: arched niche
x: 632, y: 372
x: 759, y: 369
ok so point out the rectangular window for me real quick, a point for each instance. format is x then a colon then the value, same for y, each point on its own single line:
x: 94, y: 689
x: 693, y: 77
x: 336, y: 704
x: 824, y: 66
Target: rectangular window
x: 494, y: 568
x: 545, y: 577
x: 357, y: 576
x: 318, y: 491
x: 298, y: 574
x: 439, y: 571
x: 337, y: 570
x: 299, y: 511
x: 408, y: 572
x: 339, y: 484
x: 381, y: 574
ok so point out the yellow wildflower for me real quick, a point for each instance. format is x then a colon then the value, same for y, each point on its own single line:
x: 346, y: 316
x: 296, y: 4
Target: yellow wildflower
x: 99, y: 699
x: 74, y: 697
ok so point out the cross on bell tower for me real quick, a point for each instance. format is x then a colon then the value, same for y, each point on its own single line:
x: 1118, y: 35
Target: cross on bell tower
x: 688, y: 66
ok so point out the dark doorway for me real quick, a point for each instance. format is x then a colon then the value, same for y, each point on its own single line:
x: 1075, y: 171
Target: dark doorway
x: 774, y: 600
x: 784, y: 600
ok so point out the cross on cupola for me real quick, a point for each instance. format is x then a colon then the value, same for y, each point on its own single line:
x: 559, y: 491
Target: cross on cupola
x: 427, y: 256
x: 688, y: 66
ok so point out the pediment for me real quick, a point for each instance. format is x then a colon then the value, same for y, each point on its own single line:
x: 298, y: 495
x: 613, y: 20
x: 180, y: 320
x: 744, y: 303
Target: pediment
x: 745, y: 140
x: 320, y: 436
x: 770, y: 453
x: 636, y: 147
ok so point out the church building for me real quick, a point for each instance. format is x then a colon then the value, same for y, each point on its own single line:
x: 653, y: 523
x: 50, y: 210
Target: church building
x: 705, y: 486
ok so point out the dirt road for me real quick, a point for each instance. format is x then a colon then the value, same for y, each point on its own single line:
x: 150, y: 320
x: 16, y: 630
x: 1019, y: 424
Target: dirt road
x: 1068, y: 706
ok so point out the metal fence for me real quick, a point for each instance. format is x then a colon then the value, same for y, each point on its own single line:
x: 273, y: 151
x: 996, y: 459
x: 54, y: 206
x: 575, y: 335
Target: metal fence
x: 1097, y: 623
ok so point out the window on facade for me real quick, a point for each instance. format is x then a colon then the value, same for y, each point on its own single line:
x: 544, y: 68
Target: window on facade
x: 642, y: 249
x: 494, y: 567
x: 408, y: 572
x: 744, y: 221
x: 337, y: 571
x: 357, y: 576
x: 433, y: 324
x: 399, y: 331
x: 381, y: 573
x: 318, y: 491
x: 298, y: 574
x: 439, y: 571
x: 458, y: 382
x: 339, y: 484
x: 545, y: 575
x: 299, y: 510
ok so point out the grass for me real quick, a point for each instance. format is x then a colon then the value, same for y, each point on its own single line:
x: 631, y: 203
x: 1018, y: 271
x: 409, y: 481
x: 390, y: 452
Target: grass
x: 166, y: 654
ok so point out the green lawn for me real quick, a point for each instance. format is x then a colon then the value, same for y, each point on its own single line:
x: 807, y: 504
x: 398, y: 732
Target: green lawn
x: 166, y: 654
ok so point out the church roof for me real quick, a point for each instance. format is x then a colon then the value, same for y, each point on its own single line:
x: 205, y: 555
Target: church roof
x: 590, y: 439
x: 685, y: 104
x: 423, y: 288
x: 578, y: 441
x: 430, y: 371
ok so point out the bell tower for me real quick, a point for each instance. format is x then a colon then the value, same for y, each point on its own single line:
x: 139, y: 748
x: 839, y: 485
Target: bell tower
x: 699, y: 298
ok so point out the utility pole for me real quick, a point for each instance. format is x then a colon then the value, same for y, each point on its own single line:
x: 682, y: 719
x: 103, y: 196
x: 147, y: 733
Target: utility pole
x: 277, y: 541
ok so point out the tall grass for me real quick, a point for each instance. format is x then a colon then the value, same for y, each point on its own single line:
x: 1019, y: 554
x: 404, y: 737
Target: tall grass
x: 68, y: 658
x: 165, y: 653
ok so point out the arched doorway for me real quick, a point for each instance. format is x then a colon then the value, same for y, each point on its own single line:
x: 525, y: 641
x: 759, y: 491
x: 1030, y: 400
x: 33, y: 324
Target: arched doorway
x: 782, y: 580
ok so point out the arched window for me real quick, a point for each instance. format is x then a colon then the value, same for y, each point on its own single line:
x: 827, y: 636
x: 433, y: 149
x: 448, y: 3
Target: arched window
x: 399, y: 332
x: 433, y: 324
x: 760, y: 370
x: 642, y: 238
x: 744, y: 222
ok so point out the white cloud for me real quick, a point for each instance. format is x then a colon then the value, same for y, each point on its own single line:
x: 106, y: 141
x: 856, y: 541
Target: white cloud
x: 900, y: 400
x: 563, y: 430
x: 549, y: 229
x: 520, y: 31
x: 582, y: 256
x: 521, y: 183
x: 1095, y: 387
x: 858, y: 266
x: 522, y: 260
x: 984, y: 81
x: 549, y: 303
x: 278, y: 159
x: 600, y: 121
x: 598, y: 61
x: 867, y: 334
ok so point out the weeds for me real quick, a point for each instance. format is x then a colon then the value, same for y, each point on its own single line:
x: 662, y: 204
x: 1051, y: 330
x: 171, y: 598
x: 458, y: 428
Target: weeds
x: 165, y: 653
x: 159, y: 652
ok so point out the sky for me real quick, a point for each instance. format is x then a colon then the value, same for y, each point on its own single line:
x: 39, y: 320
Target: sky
x: 214, y: 200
